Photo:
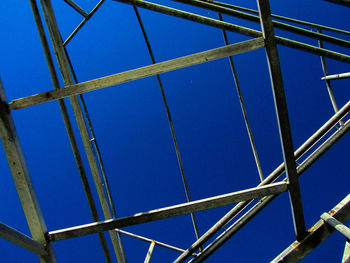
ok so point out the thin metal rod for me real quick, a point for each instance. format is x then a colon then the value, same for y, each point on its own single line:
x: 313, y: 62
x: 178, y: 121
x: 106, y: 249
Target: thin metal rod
x: 276, y: 24
x: 171, y: 126
x: 22, y: 240
x: 93, y: 140
x: 325, y: 72
x: 243, y: 108
x: 340, y: 227
x: 22, y: 180
x: 282, y: 117
x: 142, y: 72
x: 67, y: 78
x: 337, y: 76
x: 272, y: 177
x: 76, y: 8
x: 317, y: 234
x: 149, y: 252
x: 69, y: 128
x: 234, y: 228
x: 171, y: 211
x: 297, y: 21
x: 235, y: 28
x: 76, y: 30
x: 151, y: 240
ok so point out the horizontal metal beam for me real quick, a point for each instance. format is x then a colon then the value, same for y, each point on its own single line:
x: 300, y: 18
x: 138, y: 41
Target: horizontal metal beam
x: 337, y: 76
x: 316, y: 234
x: 139, y: 73
x: 21, y: 240
x: 170, y: 211
x: 330, y: 220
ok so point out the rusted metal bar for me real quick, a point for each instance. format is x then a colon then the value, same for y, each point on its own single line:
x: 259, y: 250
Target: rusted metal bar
x: 63, y: 63
x: 235, y: 28
x: 171, y: 126
x: 21, y: 240
x: 316, y: 235
x: 167, y: 212
x: 243, y: 108
x: 147, y: 71
x: 69, y: 128
x: 282, y: 117
x: 21, y: 177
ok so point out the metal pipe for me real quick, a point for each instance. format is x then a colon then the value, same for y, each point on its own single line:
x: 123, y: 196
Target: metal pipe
x: 235, y: 28
x: 272, y: 177
x: 244, y: 111
x: 171, y: 126
x: 337, y: 76
x: 276, y: 24
x: 234, y: 228
x: 330, y: 220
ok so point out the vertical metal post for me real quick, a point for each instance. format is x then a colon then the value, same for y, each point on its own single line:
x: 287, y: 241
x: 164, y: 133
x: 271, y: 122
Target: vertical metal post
x: 68, y: 80
x: 282, y: 116
x: 20, y: 174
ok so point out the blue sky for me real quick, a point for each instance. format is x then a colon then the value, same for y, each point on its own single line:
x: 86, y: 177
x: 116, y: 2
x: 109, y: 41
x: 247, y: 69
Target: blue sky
x: 135, y: 140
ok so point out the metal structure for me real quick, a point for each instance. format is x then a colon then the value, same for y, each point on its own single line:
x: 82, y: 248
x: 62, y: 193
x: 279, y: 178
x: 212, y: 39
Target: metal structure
x: 249, y: 201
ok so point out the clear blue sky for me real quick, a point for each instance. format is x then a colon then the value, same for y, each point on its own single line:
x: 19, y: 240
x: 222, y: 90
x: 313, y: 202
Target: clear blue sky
x: 135, y: 140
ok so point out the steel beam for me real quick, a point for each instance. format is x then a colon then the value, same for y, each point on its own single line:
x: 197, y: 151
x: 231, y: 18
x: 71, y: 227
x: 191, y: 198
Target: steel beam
x: 339, y: 226
x: 316, y: 234
x: 235, y: 28
x: 276, y: 174
x: 21, y: 240
x: 138, y: 73
x: 20, y: 174
x: 167, y: 212
x: 276, y: 24
x: 76, y: 8
x: 341, y: 2
x: 282, y: 116
x: 65, y: 69
x: 346, y: 255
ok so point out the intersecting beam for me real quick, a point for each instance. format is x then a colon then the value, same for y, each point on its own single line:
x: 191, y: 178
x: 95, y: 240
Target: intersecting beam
x: 316, y: 234
x: 149, y: 252
x: 77, y: 8
x: 21, y: 240
x: 235, y: 28
x: 337, y: 76
x: 330, y: 220
x: 282, y: 116
x: 139, y: 73
x: 66, y: 71
x: 170, y: 211
x: 21, y: 177
x: 346, y: 255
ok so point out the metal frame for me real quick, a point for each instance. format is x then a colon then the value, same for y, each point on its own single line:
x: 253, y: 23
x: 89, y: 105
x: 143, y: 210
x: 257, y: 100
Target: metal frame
x: 256, y: 198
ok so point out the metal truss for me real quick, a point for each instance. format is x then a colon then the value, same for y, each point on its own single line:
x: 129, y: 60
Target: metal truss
x: 249, y: 201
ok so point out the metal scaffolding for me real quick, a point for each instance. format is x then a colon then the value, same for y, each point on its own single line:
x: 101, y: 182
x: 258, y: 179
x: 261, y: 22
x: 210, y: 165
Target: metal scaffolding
x: 248, y: 201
